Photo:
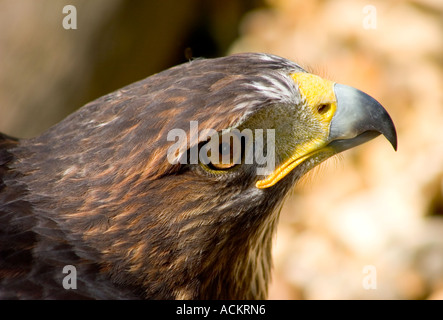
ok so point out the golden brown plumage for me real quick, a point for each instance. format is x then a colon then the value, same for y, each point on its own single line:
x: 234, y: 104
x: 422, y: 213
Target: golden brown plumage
x: 97, y: 191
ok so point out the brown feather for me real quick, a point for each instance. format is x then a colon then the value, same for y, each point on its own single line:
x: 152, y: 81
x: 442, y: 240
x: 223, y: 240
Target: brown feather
x: 96, y: 191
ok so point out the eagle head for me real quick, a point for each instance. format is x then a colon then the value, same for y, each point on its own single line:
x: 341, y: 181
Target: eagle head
x: 170, y: 188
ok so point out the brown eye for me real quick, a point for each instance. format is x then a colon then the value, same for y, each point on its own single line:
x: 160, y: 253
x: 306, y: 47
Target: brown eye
x: 225, y: 157
x: 226, y: 154
x: 323, y: 108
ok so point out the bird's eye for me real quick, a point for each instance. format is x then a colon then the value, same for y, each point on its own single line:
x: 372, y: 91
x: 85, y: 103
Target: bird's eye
x: 225, y: 159
x: 323, y: 108
x: 223, y: 152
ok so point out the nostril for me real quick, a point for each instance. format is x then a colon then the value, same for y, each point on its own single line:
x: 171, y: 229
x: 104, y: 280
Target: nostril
x: 323, y: 108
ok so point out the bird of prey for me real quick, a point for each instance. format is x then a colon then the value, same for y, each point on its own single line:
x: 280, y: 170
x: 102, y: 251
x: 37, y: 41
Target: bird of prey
x: 111, y: 197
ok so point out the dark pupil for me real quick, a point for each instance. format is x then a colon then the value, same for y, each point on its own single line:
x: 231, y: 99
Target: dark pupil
x: 323, y: 108
x: 224, y: 148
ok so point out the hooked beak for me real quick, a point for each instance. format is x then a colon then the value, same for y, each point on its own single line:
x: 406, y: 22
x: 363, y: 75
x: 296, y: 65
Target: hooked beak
x: 358, y: 118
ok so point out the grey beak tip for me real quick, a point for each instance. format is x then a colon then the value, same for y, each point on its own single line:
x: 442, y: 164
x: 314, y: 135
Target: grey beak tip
x: 358, y: 114
x: 393, y: 141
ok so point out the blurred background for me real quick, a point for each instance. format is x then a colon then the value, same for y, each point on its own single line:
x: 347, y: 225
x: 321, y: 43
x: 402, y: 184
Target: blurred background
x: 369, y: 209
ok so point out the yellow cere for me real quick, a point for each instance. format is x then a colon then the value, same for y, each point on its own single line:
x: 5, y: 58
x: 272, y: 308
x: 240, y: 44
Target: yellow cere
x: 317, y: 94
x: 317, y: 91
